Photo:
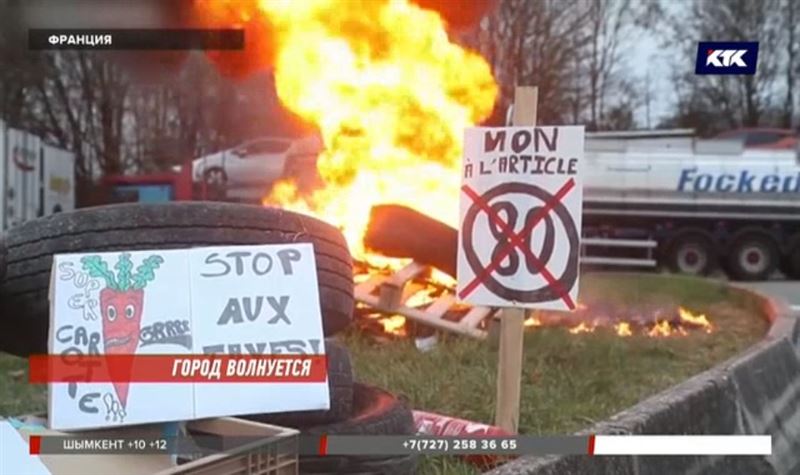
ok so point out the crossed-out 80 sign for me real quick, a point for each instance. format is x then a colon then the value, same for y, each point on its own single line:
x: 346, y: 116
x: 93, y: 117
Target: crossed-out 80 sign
x: 521, y: 204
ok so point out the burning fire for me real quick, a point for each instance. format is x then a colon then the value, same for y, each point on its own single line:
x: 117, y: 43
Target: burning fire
x: 661, y: 323
x: 696, y: 320
x: 394, y: 324
x: 623, y: 329
x: 533, y: 322
x: 661, y: 327
x: 583, y: 327
x: 391, y: 96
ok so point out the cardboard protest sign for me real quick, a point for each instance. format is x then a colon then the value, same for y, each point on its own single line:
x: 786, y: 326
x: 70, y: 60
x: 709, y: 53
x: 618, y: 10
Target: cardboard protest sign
x: 250, y: 300
x: 256, y: 300
x: 520, y: 208
x: 119, y: 303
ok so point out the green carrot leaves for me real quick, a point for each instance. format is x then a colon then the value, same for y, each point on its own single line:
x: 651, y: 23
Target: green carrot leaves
x: 124, y: 267
x: 97, y: 268
x: 145, y: 272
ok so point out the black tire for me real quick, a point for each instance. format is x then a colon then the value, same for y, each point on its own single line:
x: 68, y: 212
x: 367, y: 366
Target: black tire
x: 691, y: 252
x: 392, y: 465
x: 340, y: 384
x: 375, y: 412
x: 30, y: 247
x: 398, y: 231
x: 752, y: 255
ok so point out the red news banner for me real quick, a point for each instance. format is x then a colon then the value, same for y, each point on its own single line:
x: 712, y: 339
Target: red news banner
x: 143, y: 336
x: 172, y: 368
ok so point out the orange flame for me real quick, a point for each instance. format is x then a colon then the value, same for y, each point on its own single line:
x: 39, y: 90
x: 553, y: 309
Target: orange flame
x: 533, y: 322
x: 391, y: 96
x: 623, y: 329
x: 696, y: 320
x: 661, y: 328
x: 582, y: 327
x: 394, y: 324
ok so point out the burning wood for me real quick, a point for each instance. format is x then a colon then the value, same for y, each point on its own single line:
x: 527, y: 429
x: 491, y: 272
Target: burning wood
x: 424, y: 291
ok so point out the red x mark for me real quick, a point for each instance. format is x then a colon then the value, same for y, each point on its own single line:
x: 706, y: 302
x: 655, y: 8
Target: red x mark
x: 516, y: 241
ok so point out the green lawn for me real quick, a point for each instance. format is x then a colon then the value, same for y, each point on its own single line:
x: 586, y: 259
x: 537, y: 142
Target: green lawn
x: 569, y: 381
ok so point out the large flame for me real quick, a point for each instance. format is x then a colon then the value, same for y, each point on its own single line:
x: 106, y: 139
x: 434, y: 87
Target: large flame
x: 391, y: 96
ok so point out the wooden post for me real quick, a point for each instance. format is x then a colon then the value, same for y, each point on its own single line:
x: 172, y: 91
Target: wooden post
x: 512, y: 320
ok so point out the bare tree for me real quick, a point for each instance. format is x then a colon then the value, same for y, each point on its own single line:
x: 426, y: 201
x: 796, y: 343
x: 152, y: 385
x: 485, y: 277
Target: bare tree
x: 790, y: 28
x: 536, y: 43
x: 607, y: 21
x: 727, y: 101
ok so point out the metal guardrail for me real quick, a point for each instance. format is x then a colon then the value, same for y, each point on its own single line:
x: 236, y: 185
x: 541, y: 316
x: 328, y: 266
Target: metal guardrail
x: 646, y: 261
x: 648, y: 243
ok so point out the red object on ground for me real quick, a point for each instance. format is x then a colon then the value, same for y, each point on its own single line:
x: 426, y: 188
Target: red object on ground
x: 429, y: 423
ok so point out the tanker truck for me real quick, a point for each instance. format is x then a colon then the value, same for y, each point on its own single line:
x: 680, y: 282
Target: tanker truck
x: 36, y: 179
x: 668, y: 199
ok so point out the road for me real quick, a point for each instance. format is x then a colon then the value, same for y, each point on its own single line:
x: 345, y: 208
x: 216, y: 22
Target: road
x: 788, y: 291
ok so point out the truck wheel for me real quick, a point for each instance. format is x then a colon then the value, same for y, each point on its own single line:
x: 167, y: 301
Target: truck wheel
x: 692, y: 253
x: 24, y: 312
x: 752, y: 255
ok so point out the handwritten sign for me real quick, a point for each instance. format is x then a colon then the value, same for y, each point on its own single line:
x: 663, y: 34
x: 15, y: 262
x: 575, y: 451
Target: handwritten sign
x: 521, y: 205
x: 231, y: 300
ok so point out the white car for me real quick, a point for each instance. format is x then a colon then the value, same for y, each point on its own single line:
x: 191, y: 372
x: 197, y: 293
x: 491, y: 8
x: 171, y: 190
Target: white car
x: 255, y: 164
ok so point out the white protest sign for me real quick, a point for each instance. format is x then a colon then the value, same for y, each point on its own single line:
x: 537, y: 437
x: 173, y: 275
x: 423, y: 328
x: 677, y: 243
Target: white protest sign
x: 180, y: 302
x: 520, y: 208
x: 257, y: 300
x: 115, y: 303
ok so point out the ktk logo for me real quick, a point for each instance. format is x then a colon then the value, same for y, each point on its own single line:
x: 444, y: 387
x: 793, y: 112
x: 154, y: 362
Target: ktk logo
x: 726, y: 58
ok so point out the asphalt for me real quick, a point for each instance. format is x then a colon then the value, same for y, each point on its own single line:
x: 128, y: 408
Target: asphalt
x: 785, y: 290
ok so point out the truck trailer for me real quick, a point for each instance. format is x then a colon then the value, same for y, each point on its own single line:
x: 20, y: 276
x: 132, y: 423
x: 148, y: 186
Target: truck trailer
x: 669, y: 199
x: 36, y: 179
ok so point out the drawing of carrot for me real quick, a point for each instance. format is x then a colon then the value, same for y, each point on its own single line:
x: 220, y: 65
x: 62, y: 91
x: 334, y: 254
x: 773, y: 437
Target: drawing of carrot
x: 121, y: 303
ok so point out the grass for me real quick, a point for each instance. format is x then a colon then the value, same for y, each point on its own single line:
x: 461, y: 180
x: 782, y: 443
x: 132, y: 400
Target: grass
x: 569, y: 381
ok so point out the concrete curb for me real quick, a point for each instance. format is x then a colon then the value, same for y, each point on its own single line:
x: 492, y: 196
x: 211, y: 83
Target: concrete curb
x: 756, y: 392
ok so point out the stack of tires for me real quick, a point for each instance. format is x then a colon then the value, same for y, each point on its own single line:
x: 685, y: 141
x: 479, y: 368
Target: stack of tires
x: 26, y: 253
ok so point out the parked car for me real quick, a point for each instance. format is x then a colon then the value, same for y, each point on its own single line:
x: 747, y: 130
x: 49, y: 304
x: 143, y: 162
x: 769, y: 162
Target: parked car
x: 763, y: 138
x: 257, y: 163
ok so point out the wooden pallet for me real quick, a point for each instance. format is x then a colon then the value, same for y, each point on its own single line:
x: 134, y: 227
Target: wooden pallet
x: 392, y: 294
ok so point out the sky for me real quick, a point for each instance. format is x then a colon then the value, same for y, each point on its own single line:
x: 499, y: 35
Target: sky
x: 646, y: 55
x: 647, y: 59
